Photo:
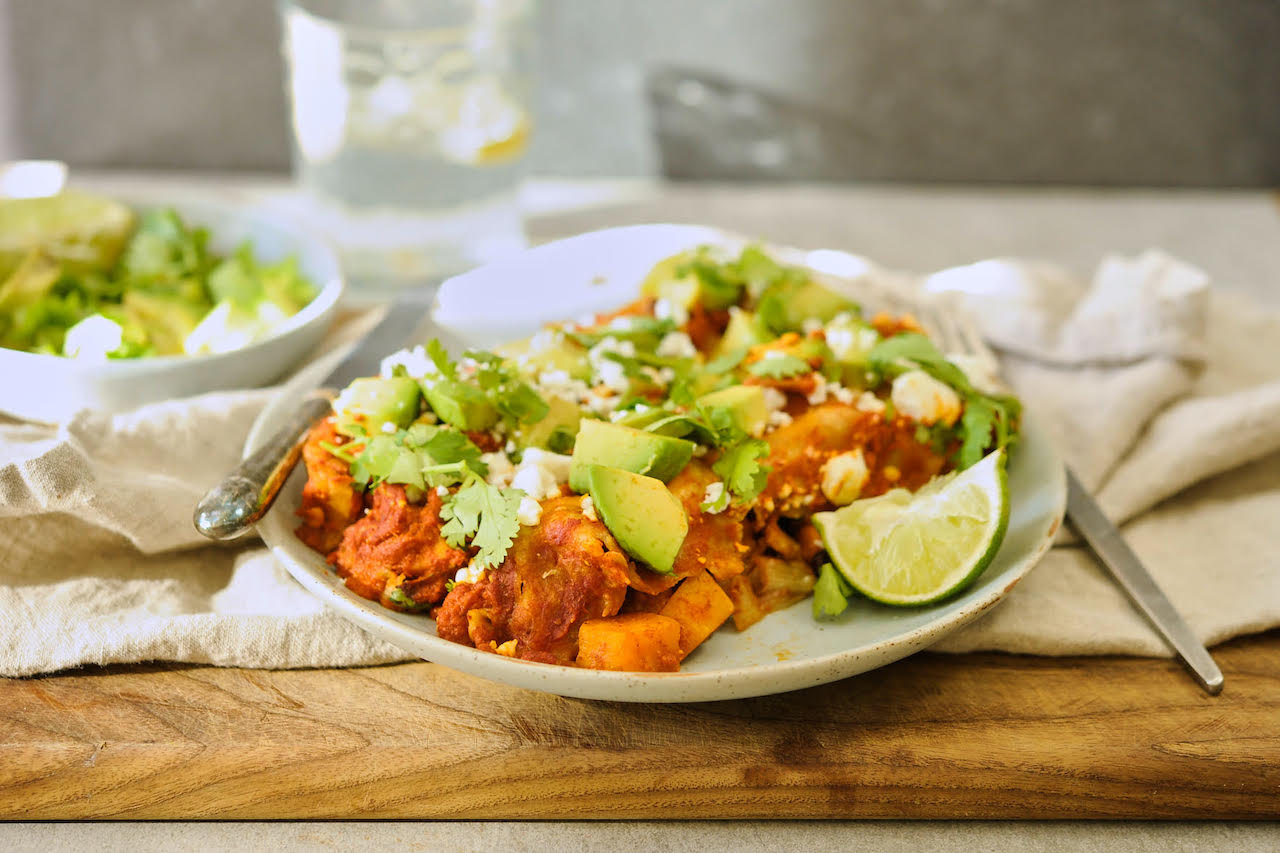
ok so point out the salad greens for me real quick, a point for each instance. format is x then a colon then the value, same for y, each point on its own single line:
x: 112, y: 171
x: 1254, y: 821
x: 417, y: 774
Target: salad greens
x: 86, y: 276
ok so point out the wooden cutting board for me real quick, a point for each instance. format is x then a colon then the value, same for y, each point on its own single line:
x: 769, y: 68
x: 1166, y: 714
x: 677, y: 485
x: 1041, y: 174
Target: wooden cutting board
x: 934, y: 736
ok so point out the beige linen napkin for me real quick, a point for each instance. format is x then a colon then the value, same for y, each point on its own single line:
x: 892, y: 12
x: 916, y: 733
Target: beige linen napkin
x: 1164, y: 395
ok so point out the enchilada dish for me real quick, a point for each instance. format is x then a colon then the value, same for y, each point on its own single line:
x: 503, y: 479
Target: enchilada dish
x: 614, y: 489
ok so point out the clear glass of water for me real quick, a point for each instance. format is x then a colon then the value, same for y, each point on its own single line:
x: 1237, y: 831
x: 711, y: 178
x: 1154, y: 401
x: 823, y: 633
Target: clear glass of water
x: 410, y: 125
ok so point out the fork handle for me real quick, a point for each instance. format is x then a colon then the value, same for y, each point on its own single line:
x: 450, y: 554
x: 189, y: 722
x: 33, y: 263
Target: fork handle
x: 1114, y: 553
x: 234, y: 505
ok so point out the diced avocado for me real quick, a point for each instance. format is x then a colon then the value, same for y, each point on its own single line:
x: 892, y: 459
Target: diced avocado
x: 640, y: 420
x: 745, y: 403
x: 785, y: 306
x: 665, y: 282
x: 602, y: 443
x: 743, y: 332
x: 691, y: 277
x: 562, y: 419
x: 459, y: 404
x: 647, y: 520
x: 558, y: 353
x: 380, y: 401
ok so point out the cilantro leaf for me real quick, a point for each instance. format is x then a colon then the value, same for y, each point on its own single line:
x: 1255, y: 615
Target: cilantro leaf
x: 446, y: 447
x: 645, y: 332
x: 780, y: 367
x: 719, y: 284
x: 741, y: 469
x: 516, y: 400
x: 440, y: 358
x: 830, y: 594
x: 486, y: 516
x: 888, y: 354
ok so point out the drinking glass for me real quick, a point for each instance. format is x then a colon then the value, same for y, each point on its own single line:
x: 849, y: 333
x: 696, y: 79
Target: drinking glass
x: 410, y: 125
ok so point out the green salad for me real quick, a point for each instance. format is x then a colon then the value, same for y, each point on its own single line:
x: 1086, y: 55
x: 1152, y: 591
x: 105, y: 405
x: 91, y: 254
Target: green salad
x: 87, y: 277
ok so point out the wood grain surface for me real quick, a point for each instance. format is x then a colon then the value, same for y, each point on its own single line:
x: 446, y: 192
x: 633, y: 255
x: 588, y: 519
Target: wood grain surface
x: 934, y: 736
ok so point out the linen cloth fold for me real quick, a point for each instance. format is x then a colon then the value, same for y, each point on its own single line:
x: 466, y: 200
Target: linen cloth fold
x: 1162, y: 394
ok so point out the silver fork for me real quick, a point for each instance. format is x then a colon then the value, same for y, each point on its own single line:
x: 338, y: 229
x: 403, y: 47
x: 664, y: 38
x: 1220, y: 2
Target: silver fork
x: 948, y: 323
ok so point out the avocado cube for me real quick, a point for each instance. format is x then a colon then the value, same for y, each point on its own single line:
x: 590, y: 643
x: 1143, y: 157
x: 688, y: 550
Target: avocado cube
x: 647, y: 520
x: 379, y: 401
x: 603, y: 443
x: 459, y: 404
x: 745, y: 404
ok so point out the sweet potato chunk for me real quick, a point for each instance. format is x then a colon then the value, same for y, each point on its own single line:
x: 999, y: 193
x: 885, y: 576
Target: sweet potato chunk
x: 700, y: 606
x: 630, y: 642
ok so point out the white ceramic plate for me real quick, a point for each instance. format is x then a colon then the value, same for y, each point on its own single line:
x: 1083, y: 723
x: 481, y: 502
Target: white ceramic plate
x: 785, y: 651
x: 51, y: 388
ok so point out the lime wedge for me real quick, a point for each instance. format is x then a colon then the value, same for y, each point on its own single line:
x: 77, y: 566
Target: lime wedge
x: 907, y: 549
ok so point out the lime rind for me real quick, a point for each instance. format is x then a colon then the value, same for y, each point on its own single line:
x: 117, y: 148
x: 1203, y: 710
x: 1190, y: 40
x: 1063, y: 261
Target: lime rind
x: 890, y: 548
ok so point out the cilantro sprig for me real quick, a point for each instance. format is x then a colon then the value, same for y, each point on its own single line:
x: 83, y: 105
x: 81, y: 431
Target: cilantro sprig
x: 421, y: 456
x: 744, y: 474
x: 484, y: 516
x: 986, y: 418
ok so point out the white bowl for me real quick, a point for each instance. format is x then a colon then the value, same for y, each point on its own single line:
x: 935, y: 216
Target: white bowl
x: 51, y: 388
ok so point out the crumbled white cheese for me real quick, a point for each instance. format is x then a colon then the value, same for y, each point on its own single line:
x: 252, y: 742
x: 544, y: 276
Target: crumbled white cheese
x: 847, y: 338
x: 442, y: 491
x: 840, y: 339
x: 714, y: 492
x: 389, y: 428
x: 415, y: 362
x: 779, y: 419
x: 556, y: 463
x: 510, y: 446
x: 920, y: 397
x: 589, y: 508
x: 544, y: 340
x: 843, y: 477
x: 769, y: 355
x: 92, y: 338
x: 700, y: 450
x: 774, y: 399
x: 606, y: 371
x: 868, y: 402
x: 623, y: 324
x: 665, y: 309
x: 470, y: 573
x: 676, y: 345
x: 842, y: 394
x: 977, y: 372
x: 541, y: 473
x: 558, y: 383
x: 529, y: 511
x: 500, y: 469
x: 819, y: 393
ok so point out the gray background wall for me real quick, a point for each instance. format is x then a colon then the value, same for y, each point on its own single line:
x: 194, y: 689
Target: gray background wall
x: 1146, y: 92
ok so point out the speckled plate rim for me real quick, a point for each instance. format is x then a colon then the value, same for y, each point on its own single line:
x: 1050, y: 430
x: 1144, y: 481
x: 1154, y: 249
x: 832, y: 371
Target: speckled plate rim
x: 1037, y: 479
